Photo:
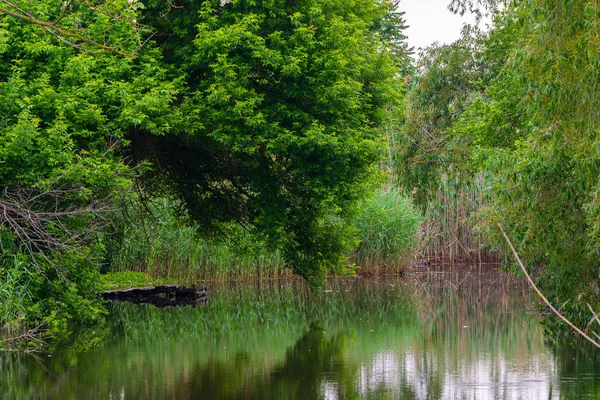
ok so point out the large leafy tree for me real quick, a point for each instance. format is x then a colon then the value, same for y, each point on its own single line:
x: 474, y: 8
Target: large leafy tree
x: 278, y: 124
x: 265, y: 113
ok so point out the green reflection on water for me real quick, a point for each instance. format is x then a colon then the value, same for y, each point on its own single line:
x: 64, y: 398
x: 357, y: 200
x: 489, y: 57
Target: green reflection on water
x: 462, y: 334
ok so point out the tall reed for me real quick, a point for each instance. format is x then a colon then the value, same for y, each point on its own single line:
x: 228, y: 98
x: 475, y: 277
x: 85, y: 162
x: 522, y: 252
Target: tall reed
x: 450, y: 232
x: 387, y: 227
x: 158, y: 243
x: 15, y: 297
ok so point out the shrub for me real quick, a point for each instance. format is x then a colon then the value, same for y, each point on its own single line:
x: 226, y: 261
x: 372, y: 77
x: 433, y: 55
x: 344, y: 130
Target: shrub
x: 387, y: 227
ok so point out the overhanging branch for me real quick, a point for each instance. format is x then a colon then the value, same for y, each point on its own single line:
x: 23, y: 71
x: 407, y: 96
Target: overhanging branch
x: 75, y: 38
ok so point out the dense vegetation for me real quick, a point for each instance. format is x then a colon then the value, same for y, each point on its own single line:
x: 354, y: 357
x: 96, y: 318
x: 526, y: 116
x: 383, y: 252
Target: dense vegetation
x: 246, y: 137
x: 259, y: 119
x: 510, y: 117
x: 156, y: 243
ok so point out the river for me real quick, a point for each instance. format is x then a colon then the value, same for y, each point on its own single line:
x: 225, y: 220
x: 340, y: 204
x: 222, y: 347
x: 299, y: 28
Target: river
x: 465, y: 333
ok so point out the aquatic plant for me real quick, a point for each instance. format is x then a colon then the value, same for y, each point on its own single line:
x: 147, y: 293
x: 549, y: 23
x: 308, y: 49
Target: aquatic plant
x: 387, y: 230
x: 451, y: 228
x: 154, y: 240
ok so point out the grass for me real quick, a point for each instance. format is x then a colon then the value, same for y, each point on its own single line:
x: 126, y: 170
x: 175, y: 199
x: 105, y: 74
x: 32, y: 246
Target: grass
x: 16, y: 302
x: 159, y: 246
x: 387, y: 228
x: 129, y: 279
x: 449, y: 232
x: 14, y: 295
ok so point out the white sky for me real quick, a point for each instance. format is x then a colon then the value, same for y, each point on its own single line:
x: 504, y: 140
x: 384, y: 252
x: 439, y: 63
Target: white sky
x: 430, y: 21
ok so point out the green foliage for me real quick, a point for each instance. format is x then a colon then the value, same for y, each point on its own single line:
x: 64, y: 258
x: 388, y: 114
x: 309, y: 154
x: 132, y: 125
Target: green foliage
x: 526, y: 119
x: 448, y: 80
x: 280, y: 122
x: 477, y: 7
x: 154, y: 240
x: 57, y: 299
x: 432, y: 149
x: 263, y: 114
x: 60, y: 129
x: 544, y: 184
x: 14, y: 295
x: 94, y: 27
x: 387, y: 227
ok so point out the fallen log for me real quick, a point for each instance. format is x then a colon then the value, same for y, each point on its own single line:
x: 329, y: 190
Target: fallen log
x: 160, y: 296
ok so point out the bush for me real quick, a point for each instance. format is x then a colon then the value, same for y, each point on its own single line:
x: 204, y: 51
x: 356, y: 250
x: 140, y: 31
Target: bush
x: 51, y: 296
x: 387, y: 227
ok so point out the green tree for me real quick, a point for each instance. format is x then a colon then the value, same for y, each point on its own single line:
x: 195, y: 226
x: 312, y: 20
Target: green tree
x: 265, y: 113
x: 97, y: 26
x: 65, y: 113
x: 545, y: 185
x: 447, y: 80
x: 530, y: 126
x: 279, y: 124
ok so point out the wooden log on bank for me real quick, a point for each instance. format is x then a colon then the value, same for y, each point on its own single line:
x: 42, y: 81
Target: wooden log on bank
x: 160, y: 296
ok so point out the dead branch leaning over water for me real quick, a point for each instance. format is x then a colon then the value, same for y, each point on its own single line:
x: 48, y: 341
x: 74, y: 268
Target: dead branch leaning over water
x: 544, y: 299
x: 14, y: 343
x: 55, y: 220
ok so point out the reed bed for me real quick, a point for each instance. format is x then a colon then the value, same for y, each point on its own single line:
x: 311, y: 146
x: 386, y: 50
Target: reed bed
x: 156, y: 243
x: 451, y: 229
x: 15, y: 278
x: 387, y: 228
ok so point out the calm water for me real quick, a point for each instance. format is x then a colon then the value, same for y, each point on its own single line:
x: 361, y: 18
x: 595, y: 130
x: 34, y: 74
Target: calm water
x: 466, y: 334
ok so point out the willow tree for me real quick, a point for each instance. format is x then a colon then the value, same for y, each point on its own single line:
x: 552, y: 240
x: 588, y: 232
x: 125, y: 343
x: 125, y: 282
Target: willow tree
x: 527, y: 117
x: 545, y: 184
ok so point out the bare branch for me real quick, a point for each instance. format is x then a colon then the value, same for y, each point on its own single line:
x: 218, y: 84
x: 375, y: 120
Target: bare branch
x: 594, y: 314
x: 45, y: 222
x: 32, y: 335
x: 544, y: 299
x: 80, y: 39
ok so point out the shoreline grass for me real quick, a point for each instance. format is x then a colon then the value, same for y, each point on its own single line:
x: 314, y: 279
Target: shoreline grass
x: 387, y: 229
x: 450, y: 232
x: 158, y: 245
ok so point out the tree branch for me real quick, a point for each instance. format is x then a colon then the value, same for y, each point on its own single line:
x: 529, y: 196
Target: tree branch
x: 544, y: 299
x: 71, y: 37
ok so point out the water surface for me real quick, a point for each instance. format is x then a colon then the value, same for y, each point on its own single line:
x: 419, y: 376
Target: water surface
x: 470, y: 333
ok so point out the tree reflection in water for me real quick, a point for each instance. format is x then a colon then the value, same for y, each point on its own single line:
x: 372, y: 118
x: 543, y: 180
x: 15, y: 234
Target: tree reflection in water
x: 463, y: 334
